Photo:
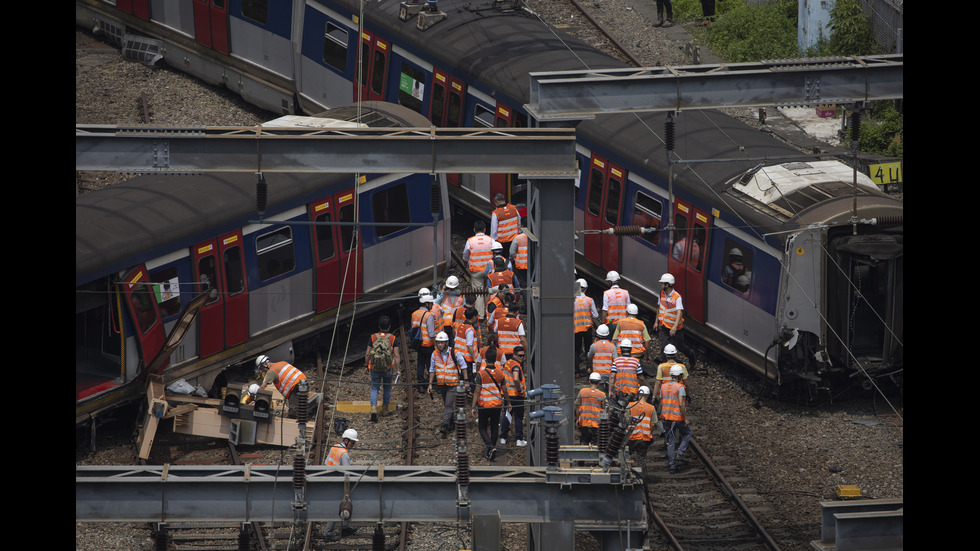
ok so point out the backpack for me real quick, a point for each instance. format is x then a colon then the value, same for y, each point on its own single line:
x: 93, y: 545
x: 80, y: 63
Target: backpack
x: 382, y: 354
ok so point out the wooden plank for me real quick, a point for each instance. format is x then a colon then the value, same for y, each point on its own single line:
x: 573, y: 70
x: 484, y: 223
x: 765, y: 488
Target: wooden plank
x: 157, y: 408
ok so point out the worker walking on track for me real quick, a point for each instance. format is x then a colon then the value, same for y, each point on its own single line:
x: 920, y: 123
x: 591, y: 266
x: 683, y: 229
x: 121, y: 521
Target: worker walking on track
x: 614, y: 300
x: 505, y: 223
x: 642, y: 435
x: 516, y: 390
x: 489, y: 397
x: 476, y: 254
x: 424, y: 325
x: 339, y: 456
x: 588, y: 406
x: 633, y: 329
x: 446, y: 372
x: 663, y: 372
x: 670, y: 320
x: 627, y: 375
x: 383, y: 358
x: 586, y: 317
x: 602, y: 353
x: 673, y: 412
x: 519, y: 255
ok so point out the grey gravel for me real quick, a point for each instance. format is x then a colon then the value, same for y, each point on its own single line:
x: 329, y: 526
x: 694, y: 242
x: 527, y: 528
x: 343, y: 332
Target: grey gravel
x: 794, y: 455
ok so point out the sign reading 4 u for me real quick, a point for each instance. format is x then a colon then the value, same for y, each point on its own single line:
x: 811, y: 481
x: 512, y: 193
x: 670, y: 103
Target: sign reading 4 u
x: 886, y: 173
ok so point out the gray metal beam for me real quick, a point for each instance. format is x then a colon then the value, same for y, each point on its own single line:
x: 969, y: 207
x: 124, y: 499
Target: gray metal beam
x: 582, y: 94
x: 396, y: 494
x: 530, y: 152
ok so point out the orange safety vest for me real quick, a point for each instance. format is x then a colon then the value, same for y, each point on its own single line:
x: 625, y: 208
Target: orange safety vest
x: 418, y: 320
x: 616, y: 301
x: 483, y: 357
x: 602, y: 358
x: 627, y: 379
x: 520, y: 259
x: 507, y: 334
x: 289, y: 377
x: 632, y: 329
x: 498, y: 304
x: 490, y: 398
x: 480, y: 252
x: 447, y: 372
x: 515, y: 385
x: 643, y: 429
x: 590, y: 407
x: 663, y: 370
x: 496, y: 279
x: 507, y: 223
x: 667, y: 313
x: 670, y: 401
x: 449, y: 304
x: 336, y: 452
x: 460, y: 330
x: 583, y: 313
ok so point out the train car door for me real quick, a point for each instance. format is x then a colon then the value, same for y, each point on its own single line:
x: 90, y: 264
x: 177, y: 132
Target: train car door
x: 602, y: 209
x: 688, y: 250
x: 144, y: 312
x: 211, y: 320
x: 335, y: 248
x: 446, y: 105
x: 500, y: 183
x: 373, y: 68
x: 139, y: 8
x: 235, y: 296
x: 211, y: 24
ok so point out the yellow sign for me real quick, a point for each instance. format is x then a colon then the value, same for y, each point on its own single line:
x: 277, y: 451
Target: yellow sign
x: 886, y: 173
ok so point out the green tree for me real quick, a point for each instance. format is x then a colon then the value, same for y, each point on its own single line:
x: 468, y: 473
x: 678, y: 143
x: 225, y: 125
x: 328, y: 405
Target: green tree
x: 850, y: 30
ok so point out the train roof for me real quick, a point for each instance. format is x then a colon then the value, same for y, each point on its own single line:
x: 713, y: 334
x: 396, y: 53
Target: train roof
x: 121, y: 226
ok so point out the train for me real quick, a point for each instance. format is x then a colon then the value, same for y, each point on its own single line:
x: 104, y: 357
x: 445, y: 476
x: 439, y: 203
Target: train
x: 183, y: 275
x: 816, y: 296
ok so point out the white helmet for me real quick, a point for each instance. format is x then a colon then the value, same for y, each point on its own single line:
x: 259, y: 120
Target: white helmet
x: 424, y: 291
x: 582, y: 284
x: 613, y: 276
x: 676, y: 370
x: 644, y: 390
x: 441, y: 336
x: 496, y: 246
x: 452, y: 282
x: 595, y: 377
x: 667, y: 278
x: 670, y: 350
x: 602, y: 330
x: 253, y: 389
x: 426, y: 298
x: 350, y: 434
x: 632, y: 310
x: 625, y: 343
x: 260, y: 360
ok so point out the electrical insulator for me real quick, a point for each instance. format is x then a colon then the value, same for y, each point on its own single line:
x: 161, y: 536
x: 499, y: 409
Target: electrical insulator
x: 261, y: 194
x: 669, y: 133
x: 378, y: 539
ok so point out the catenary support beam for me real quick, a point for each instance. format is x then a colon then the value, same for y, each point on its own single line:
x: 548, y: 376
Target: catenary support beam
x: 393, y: 494
x: 583, y: 94
x: 526, y: 151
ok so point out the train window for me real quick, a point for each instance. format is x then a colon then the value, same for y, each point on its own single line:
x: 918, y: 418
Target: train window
x: 411, y: 87
x: 679, y: 246
x: 335, y: 47
x: 256, y: 10
x: 348, y: 235
x: 143, y: 308
x: 455, y: 109
x: 438, y: 102
x: 648, y: 212
x: 595, y: 191
x: 391, y: 205
x: 697, y: 252
x: 378, y: 73
x: 207, y: 270
x: 483, y: 116
x: 324, y: 238
x: 234, y: 273
x: 612, y: 200
x: 167, y: 291
x: 737, y: 269
x: 365, y: 63
x: 275, y: 253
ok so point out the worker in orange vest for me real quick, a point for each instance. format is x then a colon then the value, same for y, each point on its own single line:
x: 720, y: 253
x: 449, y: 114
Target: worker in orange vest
x: 588, y: 406
x: 602, y: 353
x: 642, y: 435
x: 505, y: 222
x: 670, y: 320
x: 476, y: 254
x: 614, y: 300
x: 635, y: 330
x: 673, y: 412
x: 586, y: 317
x: 489, y: 399
x: 285, y: 377
x: 339, y: 456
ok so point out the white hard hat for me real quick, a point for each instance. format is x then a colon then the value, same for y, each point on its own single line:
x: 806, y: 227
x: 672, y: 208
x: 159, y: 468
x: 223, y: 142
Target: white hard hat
x: 670, y: 350
x: 496, y: 246
x: 441, y: 336
x: 602, y: 330
x: 667, y: 278
x: 595, y: 377
x: 582, y: 283
x: 644, y: 390
x: 424, y: 291
x: 625, y: 343
x: 613, y: 275
x: 350, y: 434
x: 632, y: 310
x: 261, y: 360
x: 253, y: 389
x: 676, y: 370
x: 452, y: 282
x: 426, y: 298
